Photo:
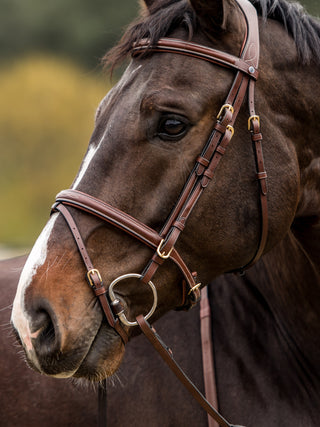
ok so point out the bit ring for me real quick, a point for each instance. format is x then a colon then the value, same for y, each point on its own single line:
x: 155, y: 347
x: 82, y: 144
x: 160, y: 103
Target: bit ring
x: 112, y: 296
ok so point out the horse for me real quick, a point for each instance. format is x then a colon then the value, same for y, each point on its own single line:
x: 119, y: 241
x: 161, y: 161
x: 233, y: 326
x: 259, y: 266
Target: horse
x: 41, y: 400
x: 166, y: 190
x: 38, y: 397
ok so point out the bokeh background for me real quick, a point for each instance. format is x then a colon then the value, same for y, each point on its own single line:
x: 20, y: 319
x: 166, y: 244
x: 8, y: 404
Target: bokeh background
x: 50, y: 85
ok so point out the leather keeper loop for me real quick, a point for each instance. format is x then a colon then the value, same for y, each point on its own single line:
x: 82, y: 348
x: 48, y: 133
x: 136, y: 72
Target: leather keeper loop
x: 256, y: 137
x: 99, y: 291
x: 221, y: 150
x: 158, y: 260
x: 203, y: 161
x: 220, y: 128
x: 261, y: 175
x: 178, y: 225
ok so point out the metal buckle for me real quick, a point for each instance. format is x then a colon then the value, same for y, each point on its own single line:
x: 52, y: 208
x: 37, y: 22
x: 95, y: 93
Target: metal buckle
x: 195, y: 287
x: 231, y: 129
x: 90, y: 274
x: 225, y: 107
x: 113, y: 298
x: 163, y: 254
x: 251, y: 118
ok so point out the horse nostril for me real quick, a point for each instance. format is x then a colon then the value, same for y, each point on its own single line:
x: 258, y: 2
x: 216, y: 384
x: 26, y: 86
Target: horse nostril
x: 44, y: 337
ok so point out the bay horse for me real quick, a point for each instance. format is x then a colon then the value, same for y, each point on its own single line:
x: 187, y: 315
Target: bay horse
x: 154, y: 129
x: 39, y: 400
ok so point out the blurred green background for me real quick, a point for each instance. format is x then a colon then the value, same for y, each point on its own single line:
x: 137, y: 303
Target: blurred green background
x: 50, y: 86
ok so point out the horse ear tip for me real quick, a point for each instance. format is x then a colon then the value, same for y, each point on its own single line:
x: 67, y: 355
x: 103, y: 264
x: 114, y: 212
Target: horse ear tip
x: 146, y: 3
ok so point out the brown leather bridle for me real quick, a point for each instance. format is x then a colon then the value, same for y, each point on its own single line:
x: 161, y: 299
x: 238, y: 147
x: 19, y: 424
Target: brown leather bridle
x: 163, y: 243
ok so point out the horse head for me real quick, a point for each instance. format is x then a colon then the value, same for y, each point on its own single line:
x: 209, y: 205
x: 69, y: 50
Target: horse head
x: 150, y: 129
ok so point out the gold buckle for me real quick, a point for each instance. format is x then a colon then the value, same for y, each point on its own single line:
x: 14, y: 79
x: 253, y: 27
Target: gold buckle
x: 225, y: 107
x: 195, y: 287
x: 251, y: 118
x: 91, y: 273
x: 163, y: 254
x: 231, y: 129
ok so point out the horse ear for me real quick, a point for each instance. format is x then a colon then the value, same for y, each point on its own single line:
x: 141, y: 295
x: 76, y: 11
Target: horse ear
x: 151, y: 4
x: 147, y: 3
x: 212, y: 14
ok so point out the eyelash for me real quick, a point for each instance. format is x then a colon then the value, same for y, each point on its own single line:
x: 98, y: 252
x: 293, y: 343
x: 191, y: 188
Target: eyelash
x: 172, y: 127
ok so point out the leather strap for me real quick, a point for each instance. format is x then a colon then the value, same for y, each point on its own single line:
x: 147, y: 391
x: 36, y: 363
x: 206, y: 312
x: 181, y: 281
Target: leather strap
x: 131, y: 226
x: 93, y: 276
x: 196, y: 51
x: 209, y: 375
x: 167, y: 356
x: 261, y: 175
x: 207, y: 363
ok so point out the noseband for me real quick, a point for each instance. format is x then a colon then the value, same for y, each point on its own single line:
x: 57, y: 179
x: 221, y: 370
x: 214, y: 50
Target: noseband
x: 163, y: 243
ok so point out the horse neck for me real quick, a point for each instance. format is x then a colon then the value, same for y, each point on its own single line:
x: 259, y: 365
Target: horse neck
x: 305, y: 136
x: 291, y: 90
x: 289, y: 275
x: 289, y: 280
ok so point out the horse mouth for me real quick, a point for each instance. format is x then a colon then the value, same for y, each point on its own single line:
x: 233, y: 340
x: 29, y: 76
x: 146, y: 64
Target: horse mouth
x: 103, y: 357
x: 95, y: 361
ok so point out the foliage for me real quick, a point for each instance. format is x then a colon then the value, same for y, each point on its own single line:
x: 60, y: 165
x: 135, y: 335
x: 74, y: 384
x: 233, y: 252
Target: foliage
x: 79, y: 29
x: 46, y: 116
x: 312, y: 6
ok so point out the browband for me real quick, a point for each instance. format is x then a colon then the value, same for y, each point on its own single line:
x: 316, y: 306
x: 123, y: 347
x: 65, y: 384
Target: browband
x: 196, y: 51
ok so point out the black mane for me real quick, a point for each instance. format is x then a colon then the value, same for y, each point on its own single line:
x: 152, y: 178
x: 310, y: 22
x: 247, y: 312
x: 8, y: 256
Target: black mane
x: 167, y: 15
x: 304, y: 28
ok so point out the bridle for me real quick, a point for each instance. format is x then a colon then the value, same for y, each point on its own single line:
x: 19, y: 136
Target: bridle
x: 163, y: 243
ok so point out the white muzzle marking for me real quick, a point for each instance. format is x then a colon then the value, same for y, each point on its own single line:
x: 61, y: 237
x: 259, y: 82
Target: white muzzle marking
x: 19, y: 318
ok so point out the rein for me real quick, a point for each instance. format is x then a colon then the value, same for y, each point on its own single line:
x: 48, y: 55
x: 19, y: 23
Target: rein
x: 163, y: 243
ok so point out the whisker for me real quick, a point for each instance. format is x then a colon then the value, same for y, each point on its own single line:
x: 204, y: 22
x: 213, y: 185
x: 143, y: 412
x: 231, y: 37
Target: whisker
x: 8, y: 307
x: 7, y: 327
x: 16, y: 269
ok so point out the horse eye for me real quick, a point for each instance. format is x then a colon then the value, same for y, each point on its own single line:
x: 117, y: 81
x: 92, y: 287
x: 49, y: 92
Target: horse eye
x: 172, y: 128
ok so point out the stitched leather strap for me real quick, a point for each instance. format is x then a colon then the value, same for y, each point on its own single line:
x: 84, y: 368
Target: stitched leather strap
x: 209, y: 375
x: 167, y: 356
x: 196, y: 51
x: 131, y: 226
x: 93, y: 275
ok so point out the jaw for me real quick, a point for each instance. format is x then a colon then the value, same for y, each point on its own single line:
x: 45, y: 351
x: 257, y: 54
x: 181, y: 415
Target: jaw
x: 65, y: 334
x: 104, y: 356
x: 93, y: 358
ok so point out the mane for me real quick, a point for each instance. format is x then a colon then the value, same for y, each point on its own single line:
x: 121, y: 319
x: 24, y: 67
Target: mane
x: 166, y: 15
x: 304, y: 29
x: 154, y: 23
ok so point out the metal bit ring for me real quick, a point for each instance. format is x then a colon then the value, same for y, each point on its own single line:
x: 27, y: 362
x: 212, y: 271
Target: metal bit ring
x: 122, y: 316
